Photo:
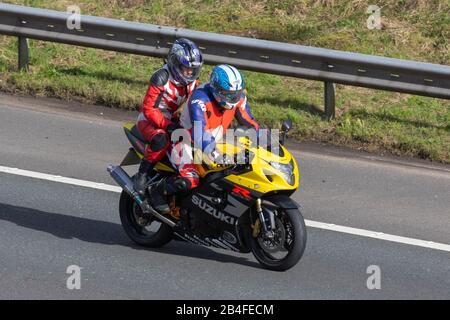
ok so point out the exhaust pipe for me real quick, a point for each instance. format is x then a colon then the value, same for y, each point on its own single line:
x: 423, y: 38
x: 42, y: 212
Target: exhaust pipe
x: 124, y: 181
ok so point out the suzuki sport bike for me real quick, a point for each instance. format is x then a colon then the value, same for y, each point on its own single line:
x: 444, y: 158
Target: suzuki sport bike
x: 243, y: 207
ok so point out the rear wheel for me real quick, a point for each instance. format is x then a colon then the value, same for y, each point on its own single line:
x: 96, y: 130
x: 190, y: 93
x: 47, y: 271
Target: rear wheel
x: 286, y: 247
x: 145, y: 230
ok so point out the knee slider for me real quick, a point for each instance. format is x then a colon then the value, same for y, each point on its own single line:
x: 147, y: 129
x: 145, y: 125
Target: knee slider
x: 158, y: 142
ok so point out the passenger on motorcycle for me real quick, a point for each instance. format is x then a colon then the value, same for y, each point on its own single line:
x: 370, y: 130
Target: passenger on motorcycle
x: 168, y: 90
x: 209, y: 113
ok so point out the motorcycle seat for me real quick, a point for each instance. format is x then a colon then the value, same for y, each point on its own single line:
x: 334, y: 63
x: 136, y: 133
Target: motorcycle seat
x: 137, y: 134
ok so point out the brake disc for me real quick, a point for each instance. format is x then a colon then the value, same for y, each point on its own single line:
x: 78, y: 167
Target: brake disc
x: 277, y: 243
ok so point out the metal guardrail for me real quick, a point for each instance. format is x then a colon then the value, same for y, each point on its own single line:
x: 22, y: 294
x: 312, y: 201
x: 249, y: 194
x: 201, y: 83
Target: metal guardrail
x: 330, y: 66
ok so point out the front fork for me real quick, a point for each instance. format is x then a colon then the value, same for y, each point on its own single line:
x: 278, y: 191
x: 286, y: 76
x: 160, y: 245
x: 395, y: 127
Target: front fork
x: 266, y: 220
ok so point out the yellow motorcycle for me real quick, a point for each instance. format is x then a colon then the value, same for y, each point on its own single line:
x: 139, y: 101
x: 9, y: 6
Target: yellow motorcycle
x: 244, y: 207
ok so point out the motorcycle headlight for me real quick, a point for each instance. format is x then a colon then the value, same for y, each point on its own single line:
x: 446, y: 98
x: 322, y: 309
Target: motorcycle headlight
x: 286, y: 169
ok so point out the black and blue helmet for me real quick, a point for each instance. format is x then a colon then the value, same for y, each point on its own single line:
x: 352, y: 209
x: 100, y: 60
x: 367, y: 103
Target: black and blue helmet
x: 184, y: 55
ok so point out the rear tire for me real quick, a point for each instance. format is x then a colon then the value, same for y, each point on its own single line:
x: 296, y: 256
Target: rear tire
x: 294, y: 235
x: 136, y: 226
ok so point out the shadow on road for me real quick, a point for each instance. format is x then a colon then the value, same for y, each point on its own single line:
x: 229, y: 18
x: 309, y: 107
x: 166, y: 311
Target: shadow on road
x: 103, y: 232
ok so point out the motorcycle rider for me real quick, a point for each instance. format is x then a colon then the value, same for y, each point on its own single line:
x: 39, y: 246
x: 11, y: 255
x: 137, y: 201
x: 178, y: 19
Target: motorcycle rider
x: 209, y: 112
x: 169, y: 88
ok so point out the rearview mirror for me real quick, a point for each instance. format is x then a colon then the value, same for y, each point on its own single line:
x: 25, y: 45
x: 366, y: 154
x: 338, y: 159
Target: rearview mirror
x: 286, y: 125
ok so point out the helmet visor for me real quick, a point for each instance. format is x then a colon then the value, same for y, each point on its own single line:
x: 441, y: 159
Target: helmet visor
x: 188, y: 73
x: 230, y: 96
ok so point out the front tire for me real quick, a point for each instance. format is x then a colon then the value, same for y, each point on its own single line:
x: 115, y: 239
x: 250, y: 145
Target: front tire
x: 146, y: 231
x: 290, y: 230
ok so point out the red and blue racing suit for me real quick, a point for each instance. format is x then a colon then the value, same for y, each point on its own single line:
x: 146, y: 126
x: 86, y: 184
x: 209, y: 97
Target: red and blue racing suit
x: 212, y: 122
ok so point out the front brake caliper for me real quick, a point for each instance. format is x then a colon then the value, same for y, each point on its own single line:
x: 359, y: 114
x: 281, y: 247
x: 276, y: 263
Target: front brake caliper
x: 256, y: 228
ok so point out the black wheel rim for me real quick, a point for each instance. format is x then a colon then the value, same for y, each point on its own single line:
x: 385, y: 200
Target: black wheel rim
x: 284, y: 232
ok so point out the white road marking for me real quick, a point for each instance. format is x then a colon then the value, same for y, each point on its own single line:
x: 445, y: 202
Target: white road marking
x: 60, y: 179
x: 378, y: 235
x: 309, y: 223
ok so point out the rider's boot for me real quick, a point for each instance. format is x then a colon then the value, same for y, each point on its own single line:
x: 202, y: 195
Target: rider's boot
x: 166, y: 187
x: 141, y: 178
x: 158, y: 196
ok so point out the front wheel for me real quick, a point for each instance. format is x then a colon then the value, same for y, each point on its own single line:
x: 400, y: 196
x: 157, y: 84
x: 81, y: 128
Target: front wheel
x: 285, y: 249
x: 143, y: 229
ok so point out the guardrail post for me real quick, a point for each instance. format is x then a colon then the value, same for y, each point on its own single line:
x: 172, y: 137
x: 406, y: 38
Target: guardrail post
x: 23, y: 53
x: 330, y: 105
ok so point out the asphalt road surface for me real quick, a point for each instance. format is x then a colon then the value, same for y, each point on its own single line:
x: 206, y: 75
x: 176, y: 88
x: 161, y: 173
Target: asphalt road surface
x: 47, y: 226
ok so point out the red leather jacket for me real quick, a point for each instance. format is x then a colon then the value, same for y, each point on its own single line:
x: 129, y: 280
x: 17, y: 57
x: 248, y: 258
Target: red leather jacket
x: 164, y: 96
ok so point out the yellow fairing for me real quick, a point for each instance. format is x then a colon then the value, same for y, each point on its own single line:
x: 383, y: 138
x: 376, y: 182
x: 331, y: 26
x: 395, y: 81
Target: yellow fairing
x: 264, y: 177
x: 162, y: 167
x: 129, y: 125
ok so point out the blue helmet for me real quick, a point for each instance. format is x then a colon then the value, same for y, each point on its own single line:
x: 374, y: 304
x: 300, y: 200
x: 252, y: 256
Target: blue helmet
x: 184, y: 61
x: 227, y: 85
